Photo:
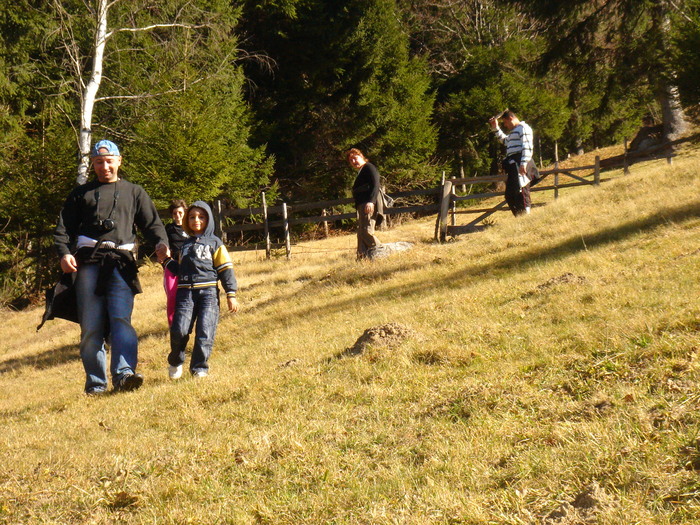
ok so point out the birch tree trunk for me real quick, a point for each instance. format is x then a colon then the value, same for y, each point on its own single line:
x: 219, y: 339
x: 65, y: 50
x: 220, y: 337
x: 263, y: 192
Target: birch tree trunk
x: 667, y: 93
x: 674, y: 120
x: 90, y: 92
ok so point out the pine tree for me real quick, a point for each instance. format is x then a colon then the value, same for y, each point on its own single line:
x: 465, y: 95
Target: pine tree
x: 686, y: 43
x: 343, y: 77
x: 170, y: 97
x: 620, y: 47
x: 36, y: 148
x: 481, y: 55
x: 191, y: 139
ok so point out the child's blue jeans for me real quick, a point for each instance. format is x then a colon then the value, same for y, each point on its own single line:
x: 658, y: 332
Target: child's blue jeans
x: 200, y: 305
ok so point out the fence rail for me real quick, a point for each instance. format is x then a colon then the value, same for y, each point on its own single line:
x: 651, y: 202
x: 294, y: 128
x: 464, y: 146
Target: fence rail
x: 446, y: 222
x: 445, y: 205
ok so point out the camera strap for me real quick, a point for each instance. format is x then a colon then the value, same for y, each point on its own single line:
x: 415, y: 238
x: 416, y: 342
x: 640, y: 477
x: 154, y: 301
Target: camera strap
x: 108, y: 224
x: 114, y: 203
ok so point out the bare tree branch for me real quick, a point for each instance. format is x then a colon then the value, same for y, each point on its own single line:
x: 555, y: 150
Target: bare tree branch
x: 70, y: 45
x: 150, y: 95
x: 112, y: 4
x: 148, y: 28
x: 680, y: 11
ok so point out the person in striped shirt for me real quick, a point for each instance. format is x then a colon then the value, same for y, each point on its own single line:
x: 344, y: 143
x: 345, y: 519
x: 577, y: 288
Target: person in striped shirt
x: 518, y: 163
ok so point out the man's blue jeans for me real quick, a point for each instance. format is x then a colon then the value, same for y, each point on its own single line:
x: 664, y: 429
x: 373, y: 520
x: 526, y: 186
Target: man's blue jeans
x: 97, y: 315
x: 201, y: 305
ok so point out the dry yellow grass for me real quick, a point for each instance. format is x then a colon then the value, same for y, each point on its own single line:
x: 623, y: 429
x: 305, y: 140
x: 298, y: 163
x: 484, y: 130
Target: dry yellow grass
x: 544, y: 370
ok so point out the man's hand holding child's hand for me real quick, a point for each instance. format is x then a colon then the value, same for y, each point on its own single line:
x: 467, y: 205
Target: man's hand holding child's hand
x: 162, y: 252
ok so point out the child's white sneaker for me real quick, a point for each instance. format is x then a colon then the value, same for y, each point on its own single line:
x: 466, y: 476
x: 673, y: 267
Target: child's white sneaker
x: 175, y: 372
x: 200, y: 373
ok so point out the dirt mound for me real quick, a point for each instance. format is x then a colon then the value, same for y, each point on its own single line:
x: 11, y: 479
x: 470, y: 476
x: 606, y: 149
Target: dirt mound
x: 386, y: 337
x: 583, y: 509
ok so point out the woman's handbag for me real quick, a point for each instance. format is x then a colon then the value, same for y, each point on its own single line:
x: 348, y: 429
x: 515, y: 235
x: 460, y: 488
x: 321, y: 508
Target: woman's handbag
x: 387, y: 200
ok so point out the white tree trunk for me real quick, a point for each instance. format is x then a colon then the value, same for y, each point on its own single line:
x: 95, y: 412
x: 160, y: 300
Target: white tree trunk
x: 90, y: 92
x: 675, y: 123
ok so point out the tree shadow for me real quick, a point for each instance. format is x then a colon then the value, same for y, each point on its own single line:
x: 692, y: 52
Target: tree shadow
x: 42, y: 361
x: 58, y: 356
x: 351, y: 275
x: 574, y: 244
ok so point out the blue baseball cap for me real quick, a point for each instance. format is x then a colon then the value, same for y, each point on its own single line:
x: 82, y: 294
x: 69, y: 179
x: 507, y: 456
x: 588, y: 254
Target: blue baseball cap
x: 105, y: 147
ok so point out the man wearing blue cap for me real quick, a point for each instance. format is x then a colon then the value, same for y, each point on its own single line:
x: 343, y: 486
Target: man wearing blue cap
x: 95, y: 237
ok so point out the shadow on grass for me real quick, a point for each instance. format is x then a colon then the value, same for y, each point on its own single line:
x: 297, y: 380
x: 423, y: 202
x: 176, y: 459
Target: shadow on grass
x: 57, y: 356
x: 566, y: 248
x: 361, y: 277
x: 42, y: 361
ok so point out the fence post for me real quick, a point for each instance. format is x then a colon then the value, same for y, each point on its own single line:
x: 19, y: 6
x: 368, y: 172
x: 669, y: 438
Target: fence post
x: 445, y: 202
x: 267, y: 226
x: 287, y: 242
x: 669, y: 158
x: 325, y: 213
x: 453, y: 208
x: 219, y: 220
x: 556, y: 170
x: 437, y: 220
x: 596, y: 172
x: 625, y: 165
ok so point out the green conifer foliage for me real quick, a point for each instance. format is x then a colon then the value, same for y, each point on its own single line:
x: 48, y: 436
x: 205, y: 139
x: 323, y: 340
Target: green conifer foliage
x: 170, y: 97
x: 36, y: 147
x: 481, y: 57
x: 185, y: 132
x: 342, y: 78
x: 619, y: 59
x: 686, y: 54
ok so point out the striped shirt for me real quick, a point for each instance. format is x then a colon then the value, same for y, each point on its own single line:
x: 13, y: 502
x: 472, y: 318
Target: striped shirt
x: 519, y: 140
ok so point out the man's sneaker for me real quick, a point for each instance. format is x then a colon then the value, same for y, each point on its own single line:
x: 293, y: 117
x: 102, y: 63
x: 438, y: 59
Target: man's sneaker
x: 200, y: 373
x: 128, y: 382
x: 95, y: 391
x: 175, y: 372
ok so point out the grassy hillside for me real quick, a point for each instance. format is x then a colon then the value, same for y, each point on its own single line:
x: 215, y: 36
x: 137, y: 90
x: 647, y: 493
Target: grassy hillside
x: 545, y: 370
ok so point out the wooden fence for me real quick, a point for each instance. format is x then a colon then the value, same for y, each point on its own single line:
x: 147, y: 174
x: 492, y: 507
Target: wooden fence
x: 266, y: 218
x: 447, y: 196
x: 262, y: 217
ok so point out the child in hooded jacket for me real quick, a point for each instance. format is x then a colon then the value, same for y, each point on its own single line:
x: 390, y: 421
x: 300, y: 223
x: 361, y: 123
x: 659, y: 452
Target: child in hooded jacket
x: 202, y: 263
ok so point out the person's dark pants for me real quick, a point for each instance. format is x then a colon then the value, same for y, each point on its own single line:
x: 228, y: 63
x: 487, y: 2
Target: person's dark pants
x: 518, y: 198
x: 200, y: 305
x: 366, y: 240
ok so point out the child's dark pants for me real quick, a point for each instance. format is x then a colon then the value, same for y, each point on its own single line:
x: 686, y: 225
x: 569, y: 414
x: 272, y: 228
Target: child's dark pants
x: 200, y: 305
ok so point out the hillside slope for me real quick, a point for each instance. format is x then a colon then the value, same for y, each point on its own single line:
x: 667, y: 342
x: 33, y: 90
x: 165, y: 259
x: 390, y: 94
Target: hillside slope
x: 543, y: 370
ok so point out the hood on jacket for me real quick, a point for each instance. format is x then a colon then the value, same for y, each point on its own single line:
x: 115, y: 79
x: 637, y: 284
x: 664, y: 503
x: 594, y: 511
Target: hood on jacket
x: 209, y: 230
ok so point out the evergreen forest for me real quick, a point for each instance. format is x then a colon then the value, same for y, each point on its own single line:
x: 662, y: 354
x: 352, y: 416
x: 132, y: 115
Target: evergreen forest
x: 225, y: 98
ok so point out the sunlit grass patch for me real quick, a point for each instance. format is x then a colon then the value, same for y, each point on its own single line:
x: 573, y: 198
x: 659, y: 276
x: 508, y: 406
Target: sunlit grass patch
x: 542, y: 370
